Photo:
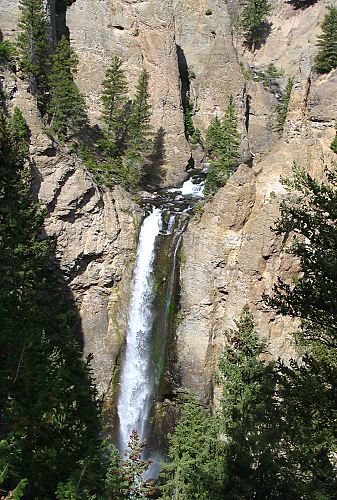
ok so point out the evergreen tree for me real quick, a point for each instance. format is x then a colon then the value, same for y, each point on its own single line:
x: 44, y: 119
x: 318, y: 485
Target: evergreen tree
x: 139, y: 128
x: 49, y: 412
x: 223, y: 142
x: 282, y: 107
x: 308, y: 389
x: 34, y: 47
x: 311, y: 219
x: 114, y: 105
x: 252, y: 468
x: 20, y: 133
x: 195, y: 467
x: 67, y: 106
x: 326, y: 59
x: 214, y: 136
x: 252, y: 22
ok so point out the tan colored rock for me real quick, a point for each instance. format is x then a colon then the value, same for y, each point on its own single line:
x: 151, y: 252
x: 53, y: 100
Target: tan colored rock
x: 142, y: 34
x: 95, y: 235
x: 231, y: 257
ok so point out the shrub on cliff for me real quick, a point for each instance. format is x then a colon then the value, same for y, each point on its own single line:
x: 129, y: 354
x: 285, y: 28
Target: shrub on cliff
x: 223, y: 144
x: 326, y: 59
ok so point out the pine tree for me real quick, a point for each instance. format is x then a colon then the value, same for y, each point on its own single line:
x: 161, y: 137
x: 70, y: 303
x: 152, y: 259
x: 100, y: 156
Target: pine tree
x: 20, y: 132
x: 114, y: 105
x: 326, y: 59
x: 249, y: 386
x: 49, y: 412
x: 139, y: 128
x: 195, y: 467
x: 34, y: 47
x: 67, y: 106
x: 282, y: 107
x: 252, y: 21
x: 311, y: 220
x: 213, y: 136
x: 308, y: 389
x: 223, y: 142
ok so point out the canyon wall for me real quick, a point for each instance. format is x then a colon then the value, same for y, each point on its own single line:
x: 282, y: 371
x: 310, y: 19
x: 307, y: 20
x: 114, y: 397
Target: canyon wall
x: 230, y: 256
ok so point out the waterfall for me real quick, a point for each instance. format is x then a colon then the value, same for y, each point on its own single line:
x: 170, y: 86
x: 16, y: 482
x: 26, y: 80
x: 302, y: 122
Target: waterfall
x: 151, y: 319
x: 136, y: 381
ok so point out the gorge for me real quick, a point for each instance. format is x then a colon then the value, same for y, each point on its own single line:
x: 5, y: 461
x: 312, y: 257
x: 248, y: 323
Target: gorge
x: 156, y: 274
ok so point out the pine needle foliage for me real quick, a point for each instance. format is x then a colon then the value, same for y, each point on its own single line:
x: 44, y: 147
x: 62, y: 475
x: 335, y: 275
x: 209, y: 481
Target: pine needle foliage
x: 309, y: 220
x: 195, y: 467
x: 34, y: 47
x: 20, y: 133
x: 223, y: 144
x: 114, y: 99
x: 252, y: 22
x: 139, y: 128
x: 67, y: 106
x: 326, y: 59
x: 49, y: 412
x: 282, y: 107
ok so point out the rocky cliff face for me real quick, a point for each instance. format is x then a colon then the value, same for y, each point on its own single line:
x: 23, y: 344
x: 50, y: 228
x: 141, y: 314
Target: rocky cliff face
x: 95, y: 235
x: 230, y: 256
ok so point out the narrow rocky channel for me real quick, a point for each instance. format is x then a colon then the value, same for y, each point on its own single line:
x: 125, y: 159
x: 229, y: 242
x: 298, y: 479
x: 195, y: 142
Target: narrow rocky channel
x: 153, y: 302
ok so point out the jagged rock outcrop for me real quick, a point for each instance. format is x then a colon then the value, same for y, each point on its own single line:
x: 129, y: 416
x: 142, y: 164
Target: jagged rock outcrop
x: 230, y: 255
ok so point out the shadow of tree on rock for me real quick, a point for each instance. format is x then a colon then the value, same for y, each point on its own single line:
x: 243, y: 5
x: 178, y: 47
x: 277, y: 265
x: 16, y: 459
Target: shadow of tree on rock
x: 154, y: 171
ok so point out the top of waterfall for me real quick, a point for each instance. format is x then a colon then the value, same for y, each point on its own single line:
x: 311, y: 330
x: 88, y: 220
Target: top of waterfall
x: 190, y: 188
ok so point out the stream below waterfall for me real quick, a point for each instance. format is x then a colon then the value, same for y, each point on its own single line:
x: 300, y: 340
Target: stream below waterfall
x: 153, y: 303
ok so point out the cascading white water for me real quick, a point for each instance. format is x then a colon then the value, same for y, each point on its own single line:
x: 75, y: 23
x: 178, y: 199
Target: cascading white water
x: 189, y: 188
x: 136, y: 382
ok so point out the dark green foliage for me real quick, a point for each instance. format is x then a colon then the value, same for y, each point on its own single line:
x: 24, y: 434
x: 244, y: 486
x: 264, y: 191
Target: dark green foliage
x: 282, y: 107
x: 114, y: 99
x: 20, y: 133
x: 252, y: 440
x: 195, y: 468
x: 309, y: 222
x: 308, y: 390
x: 267, y: 77
x: 252, y: 22
x: 7, y: 52
x: 126, y: 138
x: 333, y: 145
x: 139, y: 128
x: 191, y: 131
x: 67, y: 106
x: 223, y: 143
x: 14, y: 494
x: 34, y: 47
x: 49, y: 417
x: 188, y: 120
x: 326, y: 59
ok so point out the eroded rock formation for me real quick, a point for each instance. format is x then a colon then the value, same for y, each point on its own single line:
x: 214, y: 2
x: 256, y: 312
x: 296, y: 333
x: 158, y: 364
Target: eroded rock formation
x: 230, y: 256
